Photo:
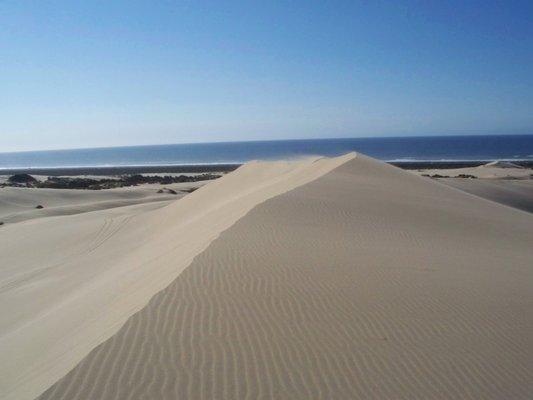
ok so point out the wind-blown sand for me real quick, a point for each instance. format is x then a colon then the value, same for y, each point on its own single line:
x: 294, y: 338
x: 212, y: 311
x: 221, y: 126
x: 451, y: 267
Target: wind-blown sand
x: 334, y: 279
x: 68, y: 283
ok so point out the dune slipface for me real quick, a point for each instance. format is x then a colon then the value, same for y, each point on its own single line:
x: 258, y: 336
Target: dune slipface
x: 367, y: 282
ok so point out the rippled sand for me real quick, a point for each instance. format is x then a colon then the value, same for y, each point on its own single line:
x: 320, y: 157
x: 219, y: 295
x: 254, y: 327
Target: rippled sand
x: 69, y: 282
x: 363, y: 282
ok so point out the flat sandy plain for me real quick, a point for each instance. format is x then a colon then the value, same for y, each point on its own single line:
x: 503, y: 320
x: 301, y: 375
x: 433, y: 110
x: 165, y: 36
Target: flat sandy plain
x: 341, y: 278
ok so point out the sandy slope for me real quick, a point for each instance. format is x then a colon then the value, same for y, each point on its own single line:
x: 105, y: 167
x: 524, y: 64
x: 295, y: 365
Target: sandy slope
x: 498, y: 181
x: 488, y: 171
x: 18, y: 204
x: 366, y: 283
x: 67, y: 283
x: 513, y: 193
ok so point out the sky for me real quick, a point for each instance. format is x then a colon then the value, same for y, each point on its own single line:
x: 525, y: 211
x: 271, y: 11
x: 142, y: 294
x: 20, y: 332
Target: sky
x: 77, y: 74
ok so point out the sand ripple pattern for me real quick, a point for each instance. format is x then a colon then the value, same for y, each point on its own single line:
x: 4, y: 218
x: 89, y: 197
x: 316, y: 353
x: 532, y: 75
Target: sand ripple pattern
x: 368, y: 283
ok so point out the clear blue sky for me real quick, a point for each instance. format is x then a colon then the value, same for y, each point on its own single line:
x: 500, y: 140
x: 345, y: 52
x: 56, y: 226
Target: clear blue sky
x: 107, y: 73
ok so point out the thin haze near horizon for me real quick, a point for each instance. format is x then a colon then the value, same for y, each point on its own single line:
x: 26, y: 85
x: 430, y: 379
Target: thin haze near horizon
x: 74, y: 74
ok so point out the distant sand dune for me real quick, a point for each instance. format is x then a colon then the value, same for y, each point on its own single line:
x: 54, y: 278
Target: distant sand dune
x: 492, y: 170
x: 18, y: 204
x: 365, y: 283
x: 502, y: 164
x: 67, y: 283
x: 513, y: 193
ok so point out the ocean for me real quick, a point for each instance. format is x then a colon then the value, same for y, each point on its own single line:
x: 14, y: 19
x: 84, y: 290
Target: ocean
x: 435, y: 148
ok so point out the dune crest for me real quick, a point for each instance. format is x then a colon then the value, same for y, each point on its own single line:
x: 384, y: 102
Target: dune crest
x: 86, y: 274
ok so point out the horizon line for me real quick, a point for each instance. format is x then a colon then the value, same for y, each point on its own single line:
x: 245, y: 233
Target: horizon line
x: 262, y: 140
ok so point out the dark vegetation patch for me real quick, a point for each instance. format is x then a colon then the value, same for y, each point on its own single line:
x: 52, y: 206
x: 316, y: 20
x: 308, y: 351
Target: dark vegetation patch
x: 436, y: 176
x: 22, y: 178
x: 57, y: 182
x: 467, y: 176
x: 167, y: 190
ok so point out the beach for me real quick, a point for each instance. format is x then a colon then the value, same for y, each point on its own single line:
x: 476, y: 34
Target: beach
x: 318, y: 278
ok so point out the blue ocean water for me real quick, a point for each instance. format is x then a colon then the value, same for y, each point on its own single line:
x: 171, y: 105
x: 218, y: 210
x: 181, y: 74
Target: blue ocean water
x: 440, y: 148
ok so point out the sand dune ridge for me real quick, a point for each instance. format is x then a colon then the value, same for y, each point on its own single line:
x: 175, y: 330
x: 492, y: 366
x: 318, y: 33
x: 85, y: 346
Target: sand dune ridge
x: 368, y: 282
x: 92, y: 271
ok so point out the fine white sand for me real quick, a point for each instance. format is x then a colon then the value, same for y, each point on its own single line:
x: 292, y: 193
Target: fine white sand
x: 513, y: 193
x: 492, y: 170
x: 19, y: 204
x: 67, y: 283
x: 499, y: 181
x: 365, y: 283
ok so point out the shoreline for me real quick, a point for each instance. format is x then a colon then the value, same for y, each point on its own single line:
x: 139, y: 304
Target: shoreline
x: 199, y: 168
x: 121, y: 170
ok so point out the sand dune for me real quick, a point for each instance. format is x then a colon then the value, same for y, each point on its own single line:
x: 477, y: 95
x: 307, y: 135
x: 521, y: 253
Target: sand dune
x: 513, y: 193
x: 365, y: 282
x: 67, y: 283
x: 499, y: 181
x: 492, y: 170
x: 502, y: 164
x: 18, y: 204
